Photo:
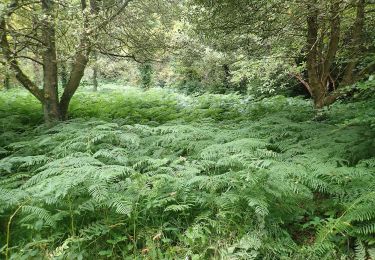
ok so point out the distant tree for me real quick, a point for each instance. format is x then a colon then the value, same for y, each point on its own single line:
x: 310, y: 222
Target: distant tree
x: 5, y: 76
x: 95, y: 71
x: 6, y: 80
x: 146, y: 71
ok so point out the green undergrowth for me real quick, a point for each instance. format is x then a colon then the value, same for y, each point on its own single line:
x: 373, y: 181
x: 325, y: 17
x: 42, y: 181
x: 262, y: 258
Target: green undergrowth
x: 157, y: 175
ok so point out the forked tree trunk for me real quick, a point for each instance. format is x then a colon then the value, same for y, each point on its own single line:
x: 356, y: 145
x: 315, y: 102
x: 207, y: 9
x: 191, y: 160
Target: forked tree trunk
x: 48, y: 96
x: 319, y: 59
x: 319, y: 64
x: 53, y: 108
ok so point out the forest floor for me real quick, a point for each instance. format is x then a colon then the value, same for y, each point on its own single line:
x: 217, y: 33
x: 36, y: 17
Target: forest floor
x: 159, y: 175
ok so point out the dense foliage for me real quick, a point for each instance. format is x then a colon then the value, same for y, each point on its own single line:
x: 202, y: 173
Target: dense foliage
x: 195, y: 129
x: 159, y: 175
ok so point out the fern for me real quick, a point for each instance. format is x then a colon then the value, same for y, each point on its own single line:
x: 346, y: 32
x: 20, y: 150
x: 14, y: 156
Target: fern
x: 208, y: 177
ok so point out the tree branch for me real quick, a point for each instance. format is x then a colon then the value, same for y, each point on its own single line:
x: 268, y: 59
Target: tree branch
x: 127, y: 56
x: 20, y: 75
x: 113, y: 16
x: 29, y: 58
x: 304, y: 83
x: 82, y: 56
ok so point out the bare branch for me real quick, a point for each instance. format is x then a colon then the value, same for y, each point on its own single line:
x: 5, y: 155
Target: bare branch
x: 20, y: 75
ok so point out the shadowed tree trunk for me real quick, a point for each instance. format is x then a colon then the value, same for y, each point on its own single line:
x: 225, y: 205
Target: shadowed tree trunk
x: 6, y: 80
x: 226, y: 79
x: 242, y: 85
x: 76, y: 75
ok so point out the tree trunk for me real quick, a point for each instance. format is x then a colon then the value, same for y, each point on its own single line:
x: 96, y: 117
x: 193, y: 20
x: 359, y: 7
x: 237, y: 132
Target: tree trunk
x: 78, y: 67
x: 50, y: 79
x: 7, y: 80
x: 95, y: 79
x: 319, y: 71
x: 146, y: 75
x: 242, y: 86
x: 95, y: 73
x: 314, y: 83
x: 318, y: 94
x: 226, y: 79
x: 76, y: 75
x: 53, y: 108
x: 63, y: 74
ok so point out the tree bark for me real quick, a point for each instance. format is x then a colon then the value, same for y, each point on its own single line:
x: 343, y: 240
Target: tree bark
x: 63, y: 74
x: 317, y: 90
x: 49, y: 56
x: 333, y: 40
x: 78, y: 66
x: 76, y: 75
